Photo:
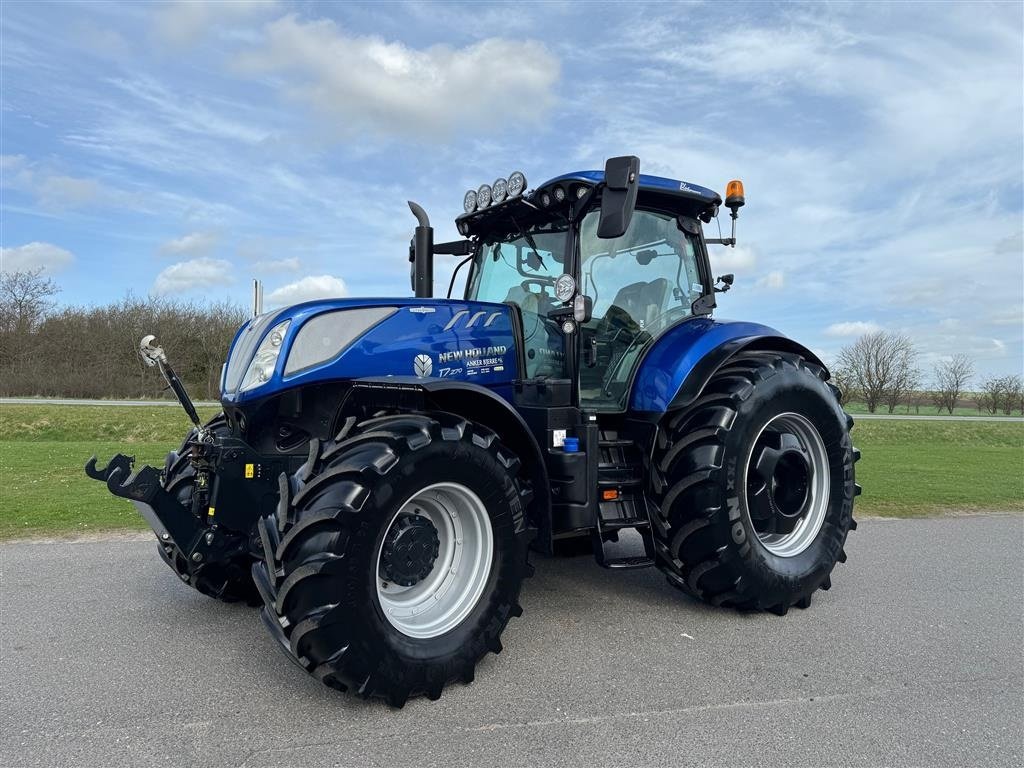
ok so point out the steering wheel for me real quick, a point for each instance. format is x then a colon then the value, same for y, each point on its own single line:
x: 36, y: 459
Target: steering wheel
x: 649, y: 330
x: 534, y: 321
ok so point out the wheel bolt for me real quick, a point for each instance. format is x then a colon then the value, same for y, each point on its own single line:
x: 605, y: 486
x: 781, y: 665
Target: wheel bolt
x: 197, y: 557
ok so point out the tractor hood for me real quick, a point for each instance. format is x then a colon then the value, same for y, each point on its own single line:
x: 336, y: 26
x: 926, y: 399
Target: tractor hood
x: 336, y: 339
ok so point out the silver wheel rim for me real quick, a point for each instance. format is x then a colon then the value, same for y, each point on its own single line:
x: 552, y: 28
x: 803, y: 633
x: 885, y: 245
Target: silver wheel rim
x: 801, y: 435
x: 442, y: 599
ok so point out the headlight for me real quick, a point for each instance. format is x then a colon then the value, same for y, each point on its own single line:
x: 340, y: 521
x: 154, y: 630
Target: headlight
x: 516, y: 183
x: 499, y: 189
x: 469, y: 201
x: 326, y: 336
x: 483, y: 196
x: 265, y: 360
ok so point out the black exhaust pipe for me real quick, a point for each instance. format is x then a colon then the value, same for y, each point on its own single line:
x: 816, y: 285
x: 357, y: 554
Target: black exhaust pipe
x: 422, y: 255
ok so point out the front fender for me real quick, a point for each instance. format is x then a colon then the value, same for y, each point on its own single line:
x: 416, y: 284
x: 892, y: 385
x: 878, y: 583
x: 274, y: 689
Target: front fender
x: 680, y: 363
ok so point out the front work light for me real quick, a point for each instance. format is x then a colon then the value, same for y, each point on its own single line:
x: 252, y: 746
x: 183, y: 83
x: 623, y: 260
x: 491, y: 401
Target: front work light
x: 265, y: 360
x: 516, y: 184
x: 483, y: 196
x: 469, y: 201
x: 499, y: 190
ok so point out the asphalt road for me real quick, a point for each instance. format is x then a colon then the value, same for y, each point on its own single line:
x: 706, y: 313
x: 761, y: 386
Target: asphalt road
x: 913, y: 658
x: 210, y: 403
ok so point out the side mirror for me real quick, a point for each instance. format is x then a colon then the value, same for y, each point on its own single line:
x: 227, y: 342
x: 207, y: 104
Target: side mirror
x: 618, y: 198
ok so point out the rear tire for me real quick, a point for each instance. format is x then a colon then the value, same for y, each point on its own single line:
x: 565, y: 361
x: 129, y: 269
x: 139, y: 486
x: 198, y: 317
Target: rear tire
x: 754, y: 486
x: 335, y: 556
x: 229, y: 580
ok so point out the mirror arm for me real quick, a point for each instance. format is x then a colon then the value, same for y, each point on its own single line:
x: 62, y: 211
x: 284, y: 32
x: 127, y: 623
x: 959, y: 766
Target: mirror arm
x: 454, y: 248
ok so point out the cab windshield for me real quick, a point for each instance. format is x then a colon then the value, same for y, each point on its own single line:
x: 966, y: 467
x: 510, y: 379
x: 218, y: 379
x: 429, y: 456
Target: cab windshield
x: 521, y: 269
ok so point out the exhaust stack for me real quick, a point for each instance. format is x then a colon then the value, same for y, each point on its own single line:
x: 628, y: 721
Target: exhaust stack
x: 421, y: 254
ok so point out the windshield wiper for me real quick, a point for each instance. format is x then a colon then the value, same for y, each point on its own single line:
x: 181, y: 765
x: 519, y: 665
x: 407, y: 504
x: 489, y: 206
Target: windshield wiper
x: 529, y: 241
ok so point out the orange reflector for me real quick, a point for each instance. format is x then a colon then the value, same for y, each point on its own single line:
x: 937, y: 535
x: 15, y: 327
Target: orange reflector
x: 609, y: 495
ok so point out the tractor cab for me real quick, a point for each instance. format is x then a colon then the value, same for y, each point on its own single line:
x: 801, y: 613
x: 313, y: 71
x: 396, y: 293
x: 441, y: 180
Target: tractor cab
x: 556, y: 247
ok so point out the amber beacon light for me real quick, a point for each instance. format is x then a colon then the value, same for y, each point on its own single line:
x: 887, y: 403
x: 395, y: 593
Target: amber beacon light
x: 734, y: 195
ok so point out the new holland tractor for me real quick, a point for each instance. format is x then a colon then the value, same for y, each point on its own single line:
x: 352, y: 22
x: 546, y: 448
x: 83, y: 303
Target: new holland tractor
x: 382, y: 467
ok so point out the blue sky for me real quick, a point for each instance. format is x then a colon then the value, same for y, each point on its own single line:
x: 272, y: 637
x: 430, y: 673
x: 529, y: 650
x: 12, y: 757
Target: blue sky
x: 184, y: 148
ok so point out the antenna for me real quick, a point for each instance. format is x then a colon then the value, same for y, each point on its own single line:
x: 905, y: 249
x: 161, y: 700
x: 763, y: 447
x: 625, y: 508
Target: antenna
x: 257, y: 298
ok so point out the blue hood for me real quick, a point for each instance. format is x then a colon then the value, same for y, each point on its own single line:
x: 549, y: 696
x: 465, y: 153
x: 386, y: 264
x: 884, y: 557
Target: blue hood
x: 429, y: 338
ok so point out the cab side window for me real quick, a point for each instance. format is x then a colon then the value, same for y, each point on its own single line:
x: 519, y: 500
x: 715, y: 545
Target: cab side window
x: 641, y: 283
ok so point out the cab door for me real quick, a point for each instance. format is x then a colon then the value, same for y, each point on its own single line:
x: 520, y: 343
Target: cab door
x: 640, y: 283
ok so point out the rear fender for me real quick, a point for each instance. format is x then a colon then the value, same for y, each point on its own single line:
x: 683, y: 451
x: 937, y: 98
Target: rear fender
x: 680, y: 363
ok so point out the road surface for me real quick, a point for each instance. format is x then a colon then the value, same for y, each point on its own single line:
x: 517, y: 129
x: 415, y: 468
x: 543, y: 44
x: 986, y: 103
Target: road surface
x: 913, y: 658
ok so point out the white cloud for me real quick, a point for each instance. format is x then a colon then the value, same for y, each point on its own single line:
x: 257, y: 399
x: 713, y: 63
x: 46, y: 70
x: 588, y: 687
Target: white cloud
x: 737, y: 260
x: 51, y: 190
x: 852, y: 328
x: 309, y: 288
x: 1008, y: 316
x: 46, y: 256
x: 192, y: 244
x: 185, y: 22
x: 773, y: 281
x: 289, y: 264
x: 67, y: 192
x: 369, y: 85
x: 193, y: 275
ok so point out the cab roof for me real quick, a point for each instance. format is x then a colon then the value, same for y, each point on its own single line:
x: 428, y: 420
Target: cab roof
x: 654, y: 183
x: 539, y: 203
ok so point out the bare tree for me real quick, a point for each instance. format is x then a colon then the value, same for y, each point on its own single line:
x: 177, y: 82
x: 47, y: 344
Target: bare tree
x: 991, y: 396
x: 881, y: 367
x: 1013, y: 394
x: 845, y: 383
x: 951, y: 376
x: 906, y: 377
x: 25, y: 298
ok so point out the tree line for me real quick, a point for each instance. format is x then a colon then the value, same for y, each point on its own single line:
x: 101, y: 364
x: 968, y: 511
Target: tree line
x: 93, y: 352
x: 881, y: 370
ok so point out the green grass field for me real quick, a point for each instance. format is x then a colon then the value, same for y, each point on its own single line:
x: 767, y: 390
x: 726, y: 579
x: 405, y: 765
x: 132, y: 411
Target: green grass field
x: 909, y: 468
x: 928, y: 410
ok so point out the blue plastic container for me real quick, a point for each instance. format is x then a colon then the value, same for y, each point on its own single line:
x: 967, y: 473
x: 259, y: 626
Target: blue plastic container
x: 571, y: 445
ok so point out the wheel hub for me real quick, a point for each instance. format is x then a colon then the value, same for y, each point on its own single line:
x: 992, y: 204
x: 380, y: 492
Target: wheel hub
x: 410, y: 550
x: 429, y: 587
x: 787, y: 484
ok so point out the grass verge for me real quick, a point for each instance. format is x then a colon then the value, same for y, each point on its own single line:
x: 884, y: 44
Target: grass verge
x: 908, y: 469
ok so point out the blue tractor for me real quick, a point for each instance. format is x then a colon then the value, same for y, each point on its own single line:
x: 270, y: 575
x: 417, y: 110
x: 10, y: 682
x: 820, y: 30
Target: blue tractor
x: 382, y: 467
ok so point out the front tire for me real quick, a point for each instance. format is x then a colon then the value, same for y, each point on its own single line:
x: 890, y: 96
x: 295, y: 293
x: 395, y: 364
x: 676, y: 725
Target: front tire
x: 754, y: 486
x: 364, y: 561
